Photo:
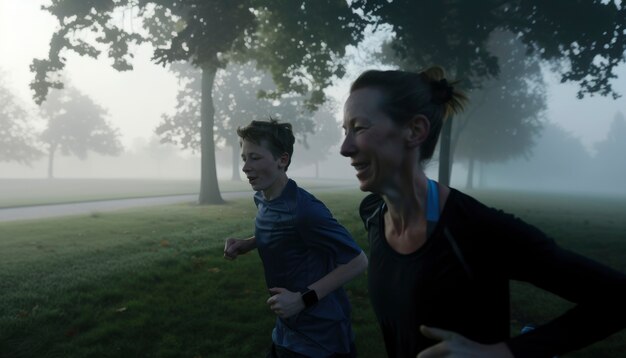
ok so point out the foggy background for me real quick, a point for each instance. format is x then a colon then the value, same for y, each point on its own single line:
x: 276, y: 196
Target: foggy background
x: 577, y: 144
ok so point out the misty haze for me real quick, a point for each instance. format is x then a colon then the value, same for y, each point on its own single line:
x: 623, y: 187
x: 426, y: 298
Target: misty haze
x: 137, y: 103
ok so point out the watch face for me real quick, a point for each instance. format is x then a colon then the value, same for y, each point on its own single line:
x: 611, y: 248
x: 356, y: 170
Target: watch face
x: 309, y: 297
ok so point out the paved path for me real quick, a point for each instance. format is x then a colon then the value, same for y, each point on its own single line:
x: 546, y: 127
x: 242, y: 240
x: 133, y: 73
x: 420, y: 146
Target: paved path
x: 56, y: 210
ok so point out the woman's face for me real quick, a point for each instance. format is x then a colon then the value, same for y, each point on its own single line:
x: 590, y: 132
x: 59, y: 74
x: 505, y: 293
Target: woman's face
x: 373, y: 142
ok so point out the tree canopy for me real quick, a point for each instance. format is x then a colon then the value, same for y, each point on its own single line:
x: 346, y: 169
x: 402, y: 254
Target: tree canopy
x: 609, y: 159
x: 615, y: 142
x: 325, y: 135
x: 583, y: 40
x: 76, y: 125
x: 295, y: 42
x: 237, y: 103
x: 506, y: 113
x: 301, y: 44
x: 558, y: 161
x: 17, y: 137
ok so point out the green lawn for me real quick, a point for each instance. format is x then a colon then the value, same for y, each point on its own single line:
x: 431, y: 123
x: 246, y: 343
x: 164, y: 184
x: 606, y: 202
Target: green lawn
x: 153, y: 282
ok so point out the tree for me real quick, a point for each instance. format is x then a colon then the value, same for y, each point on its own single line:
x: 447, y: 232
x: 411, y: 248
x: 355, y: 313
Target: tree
x: 609, y: 157
x: 159, y: 152
x: 505, y: 115
x: 613, y: 144
x: 297, y: 43
x: 76, y: 125
x: 584, y: 40
x: 16, y: 136
x: 325, y: 136
x: 240, y: 98
x: 557, y: 161
x: 237, y: 102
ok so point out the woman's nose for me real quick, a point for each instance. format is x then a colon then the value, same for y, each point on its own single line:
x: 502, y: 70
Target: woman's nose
x: 347, y: 147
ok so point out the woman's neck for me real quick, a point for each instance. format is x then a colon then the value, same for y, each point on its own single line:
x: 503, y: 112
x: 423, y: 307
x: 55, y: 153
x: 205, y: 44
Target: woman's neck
x: 405, y: 197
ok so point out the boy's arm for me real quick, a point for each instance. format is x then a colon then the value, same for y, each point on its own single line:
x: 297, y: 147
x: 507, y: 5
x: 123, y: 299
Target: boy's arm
x: 286, y: 303
x: 320, y: 231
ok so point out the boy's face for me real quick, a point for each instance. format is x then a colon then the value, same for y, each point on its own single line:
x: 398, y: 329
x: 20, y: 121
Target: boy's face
x: 260, y: 166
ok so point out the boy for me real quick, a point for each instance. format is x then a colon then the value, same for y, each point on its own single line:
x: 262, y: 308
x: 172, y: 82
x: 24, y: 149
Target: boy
x: 307, y: 255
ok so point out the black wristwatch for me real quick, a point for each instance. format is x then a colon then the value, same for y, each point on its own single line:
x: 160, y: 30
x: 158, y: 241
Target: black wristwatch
x: 309, y: 297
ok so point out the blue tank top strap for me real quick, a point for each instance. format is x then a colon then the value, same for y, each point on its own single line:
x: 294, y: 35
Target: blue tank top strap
x: 432, y: 202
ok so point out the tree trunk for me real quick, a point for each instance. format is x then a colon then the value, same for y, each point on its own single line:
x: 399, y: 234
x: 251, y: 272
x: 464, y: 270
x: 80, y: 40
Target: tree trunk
x: 51, y: 161
x: 481, y: 174
x: 445, y: 160
x: 235, y: 162
x: 470, y: 174
x: 457, y: 129
x: 209, y: 187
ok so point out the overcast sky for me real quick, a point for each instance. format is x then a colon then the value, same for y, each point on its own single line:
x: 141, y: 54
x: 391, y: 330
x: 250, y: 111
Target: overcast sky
x: 136, y: 99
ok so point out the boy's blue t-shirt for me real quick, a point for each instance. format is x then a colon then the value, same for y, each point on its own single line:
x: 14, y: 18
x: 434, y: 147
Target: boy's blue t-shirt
x: 300, y: 242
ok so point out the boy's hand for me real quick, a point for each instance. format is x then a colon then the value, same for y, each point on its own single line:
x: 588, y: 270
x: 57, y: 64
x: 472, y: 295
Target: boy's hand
x: 285, y: 303
x: 234, y: 247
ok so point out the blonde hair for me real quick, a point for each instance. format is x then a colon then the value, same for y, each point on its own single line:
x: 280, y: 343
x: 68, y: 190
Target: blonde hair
x: 455, y: 100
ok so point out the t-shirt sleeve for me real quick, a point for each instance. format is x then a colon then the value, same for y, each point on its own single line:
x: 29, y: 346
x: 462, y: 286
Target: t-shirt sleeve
x: 525, y: 253
x: 321, y: 230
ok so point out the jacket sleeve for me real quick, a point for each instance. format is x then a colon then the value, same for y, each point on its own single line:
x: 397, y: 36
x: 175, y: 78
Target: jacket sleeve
x: 599, y: 292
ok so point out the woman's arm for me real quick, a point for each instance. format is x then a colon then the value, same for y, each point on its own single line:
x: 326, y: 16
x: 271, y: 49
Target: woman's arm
x: 339, y: 276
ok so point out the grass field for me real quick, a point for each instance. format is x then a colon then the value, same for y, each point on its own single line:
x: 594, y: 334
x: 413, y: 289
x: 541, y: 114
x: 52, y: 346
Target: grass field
x: 153, y: 283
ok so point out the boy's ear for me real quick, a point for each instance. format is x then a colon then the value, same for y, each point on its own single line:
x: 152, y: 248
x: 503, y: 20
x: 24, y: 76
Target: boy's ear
x: 416, y: 130
x: 283, y: 160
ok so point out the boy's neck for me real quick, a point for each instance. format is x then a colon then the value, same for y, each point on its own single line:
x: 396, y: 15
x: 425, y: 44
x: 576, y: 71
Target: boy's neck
x: 276, y: 189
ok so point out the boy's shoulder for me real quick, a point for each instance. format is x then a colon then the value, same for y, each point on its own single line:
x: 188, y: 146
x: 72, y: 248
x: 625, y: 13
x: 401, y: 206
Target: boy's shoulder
x: 307, y: 201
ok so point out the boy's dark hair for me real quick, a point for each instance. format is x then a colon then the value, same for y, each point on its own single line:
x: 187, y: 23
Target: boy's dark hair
x: 277, y: 137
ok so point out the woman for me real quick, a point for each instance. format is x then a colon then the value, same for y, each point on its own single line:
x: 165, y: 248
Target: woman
x: 440, y: 261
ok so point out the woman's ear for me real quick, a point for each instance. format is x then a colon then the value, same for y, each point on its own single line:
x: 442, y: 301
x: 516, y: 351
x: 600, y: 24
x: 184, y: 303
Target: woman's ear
x: 416, y: 131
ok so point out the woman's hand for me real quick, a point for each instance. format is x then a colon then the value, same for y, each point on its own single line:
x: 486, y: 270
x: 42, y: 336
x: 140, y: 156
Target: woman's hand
x: 285, y: 303
x: 455, y: 345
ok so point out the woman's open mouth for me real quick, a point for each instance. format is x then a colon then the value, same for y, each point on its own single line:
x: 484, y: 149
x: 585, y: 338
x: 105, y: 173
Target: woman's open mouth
x: 361, y: 168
